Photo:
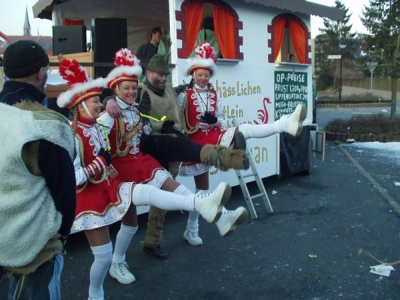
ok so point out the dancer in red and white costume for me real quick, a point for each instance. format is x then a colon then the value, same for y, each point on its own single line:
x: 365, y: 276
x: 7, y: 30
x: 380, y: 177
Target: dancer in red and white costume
x: 161, y: 140
x: 103, y: 198
x: 204, y: 125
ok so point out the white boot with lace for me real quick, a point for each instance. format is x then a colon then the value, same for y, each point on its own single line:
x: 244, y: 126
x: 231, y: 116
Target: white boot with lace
x: 229, y: 219
x: 191, y: 234
x: 293, y: 123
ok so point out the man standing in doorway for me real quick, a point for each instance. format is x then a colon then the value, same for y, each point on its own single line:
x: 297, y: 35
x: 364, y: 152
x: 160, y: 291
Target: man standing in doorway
x: 148, y: 50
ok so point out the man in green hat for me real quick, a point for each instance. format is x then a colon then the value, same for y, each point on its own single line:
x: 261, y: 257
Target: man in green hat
x: 165, y: 141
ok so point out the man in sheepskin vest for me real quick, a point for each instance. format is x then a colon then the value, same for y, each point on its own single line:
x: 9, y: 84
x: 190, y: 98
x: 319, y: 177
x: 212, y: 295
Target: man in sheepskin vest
x: 164, y: 140
x: 37, y: 190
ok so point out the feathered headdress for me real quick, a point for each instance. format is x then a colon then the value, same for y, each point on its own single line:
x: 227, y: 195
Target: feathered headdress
x: 81, y: 87
x: 128, y: 68
x: 204, y: 59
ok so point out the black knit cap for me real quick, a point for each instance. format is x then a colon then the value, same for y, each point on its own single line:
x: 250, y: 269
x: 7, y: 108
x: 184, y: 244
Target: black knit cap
x: 24, y: 58
x: 158, y: 64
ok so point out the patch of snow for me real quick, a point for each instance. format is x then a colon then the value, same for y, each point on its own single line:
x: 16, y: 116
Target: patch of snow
x: 389, y: 150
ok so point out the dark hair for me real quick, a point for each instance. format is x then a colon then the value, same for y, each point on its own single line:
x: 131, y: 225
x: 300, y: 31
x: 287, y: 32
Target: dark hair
x: 208, y: 23
x: 156, y: 30
x: 191, y: 84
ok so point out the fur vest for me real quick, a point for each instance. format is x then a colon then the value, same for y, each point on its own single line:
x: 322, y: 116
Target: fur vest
x: 28, y: 217
x: 166, y: 105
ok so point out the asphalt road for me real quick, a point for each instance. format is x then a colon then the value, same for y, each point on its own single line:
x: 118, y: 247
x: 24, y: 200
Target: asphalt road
x: 325, y: 115
x: 307, y: 249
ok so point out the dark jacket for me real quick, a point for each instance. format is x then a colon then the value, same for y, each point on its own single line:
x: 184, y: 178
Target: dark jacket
x: 15, y: 91
x: 145, y: 53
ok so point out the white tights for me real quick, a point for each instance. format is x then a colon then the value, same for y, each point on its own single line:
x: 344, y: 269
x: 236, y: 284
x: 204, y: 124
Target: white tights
x: 144, y: 194
x: 258, y: 131
x: 98, y: 271
x: 124, y: 238
x: 192, y: 224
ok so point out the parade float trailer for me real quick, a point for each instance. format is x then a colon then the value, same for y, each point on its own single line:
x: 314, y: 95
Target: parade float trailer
x: 266, y: 69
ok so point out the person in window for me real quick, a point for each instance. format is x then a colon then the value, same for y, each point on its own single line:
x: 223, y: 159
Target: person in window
x: 103, y: 197
x: 146, y: 51
x: 292, y: 58
x: 204, y: 123
x: 207, y: 34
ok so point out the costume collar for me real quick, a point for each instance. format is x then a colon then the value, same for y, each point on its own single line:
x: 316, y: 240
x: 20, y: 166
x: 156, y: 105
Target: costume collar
x: 200, y: 90
x: 155, y: 90
x: 87, y: 121
x: 124, y: 105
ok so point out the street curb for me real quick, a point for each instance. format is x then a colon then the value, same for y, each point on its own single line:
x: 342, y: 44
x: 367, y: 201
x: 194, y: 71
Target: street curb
x: 372, y: 137
x: 392, y: 202
x: 352, y: 105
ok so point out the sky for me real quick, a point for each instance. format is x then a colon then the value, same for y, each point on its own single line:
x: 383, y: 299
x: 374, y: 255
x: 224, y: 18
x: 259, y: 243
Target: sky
x: 355, y: 9
x: 13, y: 17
